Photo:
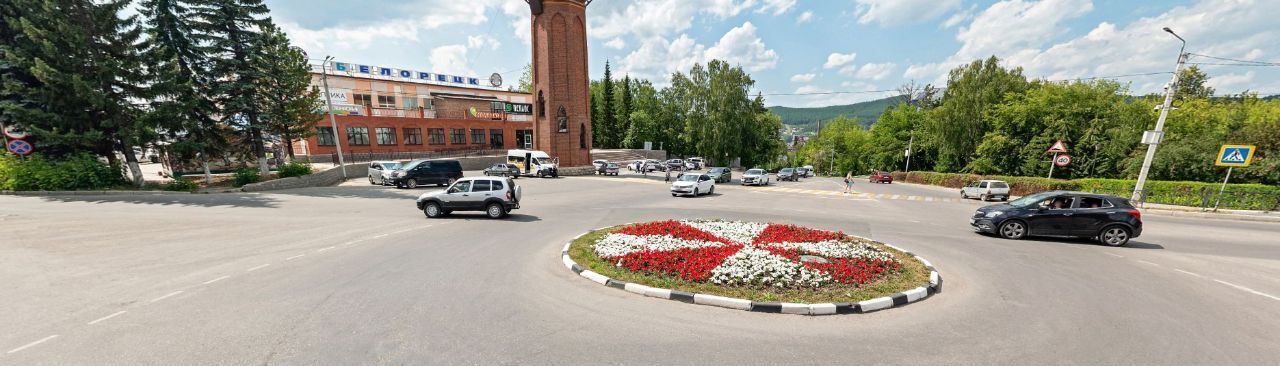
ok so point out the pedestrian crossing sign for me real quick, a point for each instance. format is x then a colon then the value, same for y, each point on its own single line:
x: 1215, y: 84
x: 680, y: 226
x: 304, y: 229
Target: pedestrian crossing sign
x: 1235, y: 155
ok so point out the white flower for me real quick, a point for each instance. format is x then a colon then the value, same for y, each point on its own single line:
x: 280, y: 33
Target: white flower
x: 755, y: 266
x: 617, y: 245
x: 737, y: 231
x: 838, y: 249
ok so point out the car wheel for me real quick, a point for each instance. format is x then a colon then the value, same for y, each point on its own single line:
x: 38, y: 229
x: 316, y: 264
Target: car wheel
x: 371, y: 180
x: 413, y: 183
x: 1013, y: 229
x: 495, y: 211
x: 983, y: 197
x: 1004, y: 198
x: 712, y: 191
x: 432, y: 210
x: 695, y: 192
x: 963, y: 196
x: 673, y: 195
x: 1114, y: 235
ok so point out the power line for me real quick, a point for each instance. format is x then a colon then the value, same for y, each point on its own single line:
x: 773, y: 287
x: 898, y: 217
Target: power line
x: 1235, y: 60
x: 1233, y: 64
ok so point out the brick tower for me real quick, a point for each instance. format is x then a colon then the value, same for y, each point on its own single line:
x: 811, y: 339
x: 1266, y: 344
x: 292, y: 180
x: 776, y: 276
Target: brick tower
x: 561, y: 109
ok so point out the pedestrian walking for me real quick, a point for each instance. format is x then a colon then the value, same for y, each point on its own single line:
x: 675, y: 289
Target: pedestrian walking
x: 668, y: 178
x: 848, y: 182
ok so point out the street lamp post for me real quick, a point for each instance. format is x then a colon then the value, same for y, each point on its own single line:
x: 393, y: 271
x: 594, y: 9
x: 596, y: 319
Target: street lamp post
x: 333, y: 122
x: 1164, y: 113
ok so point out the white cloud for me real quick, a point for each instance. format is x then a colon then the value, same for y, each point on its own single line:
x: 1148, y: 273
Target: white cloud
x: 959, y: 17
x: 897, y: 12
x: 1010, y: 26
x: 876, y: 71
x: 451, y: 59
x: 835, y: 60
x: 778, y: 7
x: 805, y: 17
x: 656, y: 56
x: 1232, y: 83
x: 803, y: 78
x: 616, y: 43
x: 483, y: 41
x: 817, y: 96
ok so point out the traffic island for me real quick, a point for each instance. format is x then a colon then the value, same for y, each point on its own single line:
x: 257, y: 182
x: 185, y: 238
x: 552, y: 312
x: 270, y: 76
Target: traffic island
x: 760, y: 267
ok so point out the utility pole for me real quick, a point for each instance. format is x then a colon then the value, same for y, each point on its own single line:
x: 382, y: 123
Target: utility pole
x: 910, y: 142
x: 1164, y: 113
x: 333, y: 122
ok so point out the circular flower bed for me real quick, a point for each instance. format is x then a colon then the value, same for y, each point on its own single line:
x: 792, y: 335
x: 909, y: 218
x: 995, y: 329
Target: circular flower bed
x: 755, y: 261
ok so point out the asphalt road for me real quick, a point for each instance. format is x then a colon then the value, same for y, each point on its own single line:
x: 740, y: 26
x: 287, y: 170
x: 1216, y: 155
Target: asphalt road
x: 356, y: 275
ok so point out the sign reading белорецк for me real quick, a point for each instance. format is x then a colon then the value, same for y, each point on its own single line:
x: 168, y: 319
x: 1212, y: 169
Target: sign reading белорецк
x: 351, y: 69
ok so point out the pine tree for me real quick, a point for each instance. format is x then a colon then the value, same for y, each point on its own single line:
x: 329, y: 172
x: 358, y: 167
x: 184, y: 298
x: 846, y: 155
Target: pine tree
x: 181, y: 107
x: 287, y: 97
x: 84, y: 76
x: 607, y: 117
x: 624, y: 115
x: 231, y: 28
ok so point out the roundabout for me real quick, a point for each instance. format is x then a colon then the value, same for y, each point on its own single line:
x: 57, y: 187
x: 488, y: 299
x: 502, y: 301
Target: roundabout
x: 760, y: 267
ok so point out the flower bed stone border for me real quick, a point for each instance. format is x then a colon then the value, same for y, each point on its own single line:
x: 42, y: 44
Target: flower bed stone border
x: 880, y: 303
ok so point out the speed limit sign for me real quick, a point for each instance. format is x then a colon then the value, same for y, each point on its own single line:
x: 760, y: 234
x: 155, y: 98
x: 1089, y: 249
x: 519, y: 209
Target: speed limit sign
x: 1062, y: 160
x: 15, y: 132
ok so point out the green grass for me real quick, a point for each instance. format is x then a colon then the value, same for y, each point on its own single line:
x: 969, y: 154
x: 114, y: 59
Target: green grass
x: 912, y: 274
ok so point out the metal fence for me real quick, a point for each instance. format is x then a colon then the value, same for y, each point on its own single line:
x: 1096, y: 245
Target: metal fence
x: 1206, y: 198
x: 365, y: 157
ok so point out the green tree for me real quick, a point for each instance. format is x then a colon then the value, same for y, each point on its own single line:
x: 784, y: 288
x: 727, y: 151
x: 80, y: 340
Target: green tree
x: 525, y: 85
x: 287, y: 100
x: 623, y: 119
x: 606, y: 129
x: 959, y: 124
x: 231, y: 29
x: 1192, y: 84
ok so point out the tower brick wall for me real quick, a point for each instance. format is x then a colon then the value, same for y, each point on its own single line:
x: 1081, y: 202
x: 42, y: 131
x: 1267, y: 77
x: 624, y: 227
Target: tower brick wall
x: 562, y: 113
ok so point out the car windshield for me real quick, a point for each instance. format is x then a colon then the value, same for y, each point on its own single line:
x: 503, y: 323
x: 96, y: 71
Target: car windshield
x: 1030, y: 200
x: 410, y: 165
x: 688, y: 178
x: 755, y: 172
x: 391, y: 166
x: 613, y: 165
x: 786, y: 170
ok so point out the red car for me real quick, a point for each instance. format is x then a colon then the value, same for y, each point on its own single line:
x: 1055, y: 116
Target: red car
x: 880, y: 177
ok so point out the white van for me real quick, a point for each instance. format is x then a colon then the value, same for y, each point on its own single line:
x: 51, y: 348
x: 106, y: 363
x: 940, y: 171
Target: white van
x: 986, y: 189
x: 534, y: 162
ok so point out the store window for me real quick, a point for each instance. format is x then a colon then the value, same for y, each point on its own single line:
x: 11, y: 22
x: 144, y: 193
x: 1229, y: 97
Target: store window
x: 413, y: 136
x: 457, y: 136
x: 435, y: 136
x: 358, y: 136
x: 324, y: 136
x: 495, y: 138
x: 411, y: 103
x: 363, y: 99
x: 477, y: 135
x: 386, y: 101
x: 386, y: 136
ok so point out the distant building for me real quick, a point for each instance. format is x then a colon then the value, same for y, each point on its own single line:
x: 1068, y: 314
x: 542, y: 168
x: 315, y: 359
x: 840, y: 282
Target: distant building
x: 380, y: 110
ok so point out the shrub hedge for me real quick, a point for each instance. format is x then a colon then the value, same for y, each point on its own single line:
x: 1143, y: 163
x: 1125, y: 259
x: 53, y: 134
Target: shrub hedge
x: 77, y: 172
x: 294, y: 169
x: 1196, y: 194
x: 246, y: 175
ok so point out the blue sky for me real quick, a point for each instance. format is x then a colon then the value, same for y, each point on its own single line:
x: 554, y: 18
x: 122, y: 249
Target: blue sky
x: 796, y: 49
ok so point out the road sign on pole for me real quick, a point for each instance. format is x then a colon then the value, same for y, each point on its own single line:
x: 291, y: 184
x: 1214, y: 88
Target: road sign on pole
x: 14, y: 132
x: 20, y: 147
x: 1058, y: 147
x: 1235, y: 155
x: 1062, y: 160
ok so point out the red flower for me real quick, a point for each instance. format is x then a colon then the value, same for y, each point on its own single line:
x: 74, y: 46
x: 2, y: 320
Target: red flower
x: 673, y: 228
x: 692, y: 264
x: 780, y: 233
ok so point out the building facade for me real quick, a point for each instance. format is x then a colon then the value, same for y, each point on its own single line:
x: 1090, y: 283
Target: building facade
x: 381, y: 110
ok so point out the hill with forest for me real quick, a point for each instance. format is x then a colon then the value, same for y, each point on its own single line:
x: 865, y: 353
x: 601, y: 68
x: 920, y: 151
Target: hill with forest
x: 806, y: 119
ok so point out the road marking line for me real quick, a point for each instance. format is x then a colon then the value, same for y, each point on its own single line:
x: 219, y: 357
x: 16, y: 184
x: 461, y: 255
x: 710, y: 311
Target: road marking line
x: 913, y: 198
x: 295, y: 257
x: 1190, y: 273
x: 379, y: 236
x: 216, y: 280
x: 895, y: 196
x: 1115, y: 255
x: 107, y: 317
x: 33, y: 344
x: 928, y: 199
x: 1246, y: 289
x: 258, y: 267
x: 324, y: 249
x: 1145, y: 262
x: 171, y: 294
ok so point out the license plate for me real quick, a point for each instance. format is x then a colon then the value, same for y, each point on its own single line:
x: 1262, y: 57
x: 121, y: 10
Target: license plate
x: 973, y: 221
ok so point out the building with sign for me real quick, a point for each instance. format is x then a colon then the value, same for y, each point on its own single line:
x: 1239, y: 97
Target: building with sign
x: 379, y: 110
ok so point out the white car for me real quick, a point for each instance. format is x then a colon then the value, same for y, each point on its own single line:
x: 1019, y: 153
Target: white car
x: 693, y: 184
x: 755, y: 177
x: 695, y: 163
x: 380, y: 171
x: 986, y: 190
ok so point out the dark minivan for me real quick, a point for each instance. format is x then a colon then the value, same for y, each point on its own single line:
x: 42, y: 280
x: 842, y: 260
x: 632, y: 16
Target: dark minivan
x: 1110, y: 219
x: 420, y: 172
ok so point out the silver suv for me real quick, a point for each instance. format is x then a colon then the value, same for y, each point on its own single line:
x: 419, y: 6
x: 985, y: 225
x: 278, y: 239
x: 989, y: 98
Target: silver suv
x: 496, y: 196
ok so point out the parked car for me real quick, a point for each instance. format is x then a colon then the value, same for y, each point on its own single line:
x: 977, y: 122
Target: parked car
x: 599, y: 164
x: 880, y: 177
x: 610, y: 169
x: 676, y: 164
x: 419, y: 172
x: 503, y: 170
x: 986, y: 189
x: 1109, y: 219
x: 788, y: 174
x: 652, y: 165
x: 720, y: 174
x: 755, y: 177
x: 495, y: 196
x: 805, y: 171
x: 693, y: 184
x: 380, y: 171
x: 695, y: 163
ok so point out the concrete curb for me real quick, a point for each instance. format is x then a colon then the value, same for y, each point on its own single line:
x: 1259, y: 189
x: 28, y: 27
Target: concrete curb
x: 95, y: 193
x: 902, y: 298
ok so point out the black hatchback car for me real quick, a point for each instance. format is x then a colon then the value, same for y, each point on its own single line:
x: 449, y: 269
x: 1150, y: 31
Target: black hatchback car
x: 1111, y: 220
x: 421, y: 172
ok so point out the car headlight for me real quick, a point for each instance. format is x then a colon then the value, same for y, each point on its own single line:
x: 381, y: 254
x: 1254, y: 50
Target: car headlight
x: 994, y: 214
